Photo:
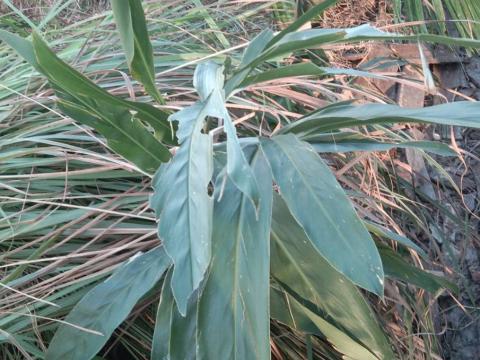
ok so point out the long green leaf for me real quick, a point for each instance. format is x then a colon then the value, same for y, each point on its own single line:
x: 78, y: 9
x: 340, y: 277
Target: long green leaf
x: 254, y: 49
x: 287, y: 309
x: 175, y: 335
x: 312, y: 38
x: 319, y: 204
x: 346, y: 141
x: 385, y: 233
x: 106, y: 306
x: 372, y: 145
x: 307, y: 39
x: 233, y: 319
x: 299, y: 268
x: 313, y: 12
x: 396, y: 267
x: 132, y: 27
x: 462, y: 113
x: 125, y: 134
x: 118, y: 120
x: 163, y: 321
x: 183, y: 205
x: 20, y: 45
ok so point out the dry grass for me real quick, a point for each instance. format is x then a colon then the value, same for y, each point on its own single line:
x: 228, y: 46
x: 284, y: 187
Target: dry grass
x: 37, y: 9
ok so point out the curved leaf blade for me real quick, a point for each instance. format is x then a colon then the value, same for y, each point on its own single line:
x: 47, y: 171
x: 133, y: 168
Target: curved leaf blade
x: 433, y: 147
x: 319, y: 204
x: 106, y: 306
x: 254, y: 49
x: 23, y: 47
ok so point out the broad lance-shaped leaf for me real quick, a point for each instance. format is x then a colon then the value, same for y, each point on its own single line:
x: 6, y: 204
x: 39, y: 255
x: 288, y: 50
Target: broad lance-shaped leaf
x: 233, y: 318
x: 209, y: 81
x: 106, y: 306
x: 321, y: 207
x: 461, y: 113
x: 132, y: 27
x: 182, y: 203
x: 181, y: 200
x: 331, y: 302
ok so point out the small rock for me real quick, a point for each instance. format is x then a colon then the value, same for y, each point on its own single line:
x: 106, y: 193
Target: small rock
x: 473, y: 70
x: 470, y: 201
x: 476, y: 276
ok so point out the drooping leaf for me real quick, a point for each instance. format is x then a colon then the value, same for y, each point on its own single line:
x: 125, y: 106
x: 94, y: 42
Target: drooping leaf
x: 132, y: 27
x: 82, y: 89
x: 106, y: 306
x: 396, y: 267
x: 100, y: 109
x: 182, y: 203
x: 233, y: 319
x: 463, y: 113
x: 328, y: 294
x: 319, y: 204
x: 124, y: 132
x: 289, y: 40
